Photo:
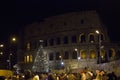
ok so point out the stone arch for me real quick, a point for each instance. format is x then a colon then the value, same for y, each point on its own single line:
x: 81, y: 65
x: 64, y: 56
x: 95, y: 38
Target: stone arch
x: 112, y: 53
x: 102, y: 36
x: 91, y: 38
x: 82, y: 38
x: 74, y: 54
x: 83, y: 54
x: 93, y: 54
x: 102, y: 54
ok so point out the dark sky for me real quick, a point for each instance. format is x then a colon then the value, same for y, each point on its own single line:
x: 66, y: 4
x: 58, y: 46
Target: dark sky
x: 22, y: 12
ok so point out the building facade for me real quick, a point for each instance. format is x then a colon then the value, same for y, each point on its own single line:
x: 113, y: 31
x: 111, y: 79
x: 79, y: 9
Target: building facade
x: 70, y: 42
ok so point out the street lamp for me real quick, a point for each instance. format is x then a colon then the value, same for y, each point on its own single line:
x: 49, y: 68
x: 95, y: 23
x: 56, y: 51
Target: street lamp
x: 99, y: 45
x: 12, y: 53
x: 10, y: 61
x: 1, y: 50
x: 78, y: 57
x: 1, y: 45
x: 60, y: 58
x: 61, y: 62
x: 13, y: 39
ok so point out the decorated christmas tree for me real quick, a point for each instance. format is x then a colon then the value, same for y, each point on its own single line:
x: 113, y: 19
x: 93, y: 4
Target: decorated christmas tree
x: 41, y: 60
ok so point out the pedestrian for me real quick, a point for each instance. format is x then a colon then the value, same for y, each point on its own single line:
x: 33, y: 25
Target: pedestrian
x: 50, y: 76
x: 36, y: 77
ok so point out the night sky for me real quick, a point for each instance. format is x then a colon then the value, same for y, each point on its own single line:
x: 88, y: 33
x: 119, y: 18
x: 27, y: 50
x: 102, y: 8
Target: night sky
x: 14, y: 16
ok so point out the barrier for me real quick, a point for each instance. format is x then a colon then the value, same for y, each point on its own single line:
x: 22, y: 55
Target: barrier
x: 6, y: 73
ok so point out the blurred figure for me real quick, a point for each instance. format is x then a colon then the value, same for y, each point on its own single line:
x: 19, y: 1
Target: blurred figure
x: 71, y: 77
x: 97, y: 76
x: 89, y: 75
x: 63, y: 76
x: 112, y: 76
x: 103, y: 75
x: 28, y: 75
x: 83, y: 75
x: 36, y: 77
x: 50, y: 76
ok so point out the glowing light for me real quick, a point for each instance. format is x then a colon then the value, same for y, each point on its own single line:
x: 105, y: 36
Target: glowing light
x: 79, y: 58
x: 62, y: 63
x: 13, y: 39
x: 1, y: 53
x: 27, y: 58
x: 60, y: 56
x: 1, y: 45
x: 97, y: 32
x: 75, y: 49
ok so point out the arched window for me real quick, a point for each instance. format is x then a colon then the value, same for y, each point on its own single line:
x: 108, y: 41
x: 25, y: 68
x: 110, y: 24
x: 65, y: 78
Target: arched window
x: 45, y: 43
x: 51, y: 56
x: 74, y: 55
x: 112, y: 53
x: 91, y: 38
x: 65, y: 40
x: 28, y: 46
x: 51, y: 42
x: 102, y: 37
x: 83, y: 54
x: 58, y: 41
x: 57, y: 56
x: 82, y: 38
x: 28, y: 58
x: 66, y: 55
x: 102, y: 54
x: 31, y: 58
x: 92, y: 54
x: 74, y: 39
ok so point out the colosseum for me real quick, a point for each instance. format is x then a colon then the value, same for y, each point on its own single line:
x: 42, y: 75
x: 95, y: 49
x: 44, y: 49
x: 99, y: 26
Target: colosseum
x: 69, y: 42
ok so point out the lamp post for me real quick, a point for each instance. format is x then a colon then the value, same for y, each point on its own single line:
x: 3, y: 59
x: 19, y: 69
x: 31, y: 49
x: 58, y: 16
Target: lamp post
x: 2, y: 56
x: 61, y: 62
x: 1, y: 49
x: 99, y: 45
x: 10, y: 60
x: 12, y: 53
x: 78, y: 57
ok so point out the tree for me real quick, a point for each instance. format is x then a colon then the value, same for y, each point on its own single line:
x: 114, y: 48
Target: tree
x: 41, y: 60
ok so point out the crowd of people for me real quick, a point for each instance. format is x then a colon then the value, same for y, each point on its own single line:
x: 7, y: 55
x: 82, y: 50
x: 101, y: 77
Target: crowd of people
x: 82, y: 75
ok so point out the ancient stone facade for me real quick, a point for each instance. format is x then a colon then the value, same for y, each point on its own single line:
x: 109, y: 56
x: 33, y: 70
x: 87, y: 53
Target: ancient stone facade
x: 70, y: 38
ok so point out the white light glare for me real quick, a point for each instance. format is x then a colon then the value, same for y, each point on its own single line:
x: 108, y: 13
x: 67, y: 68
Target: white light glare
x: 62, y: 63
x: 78, y: 58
